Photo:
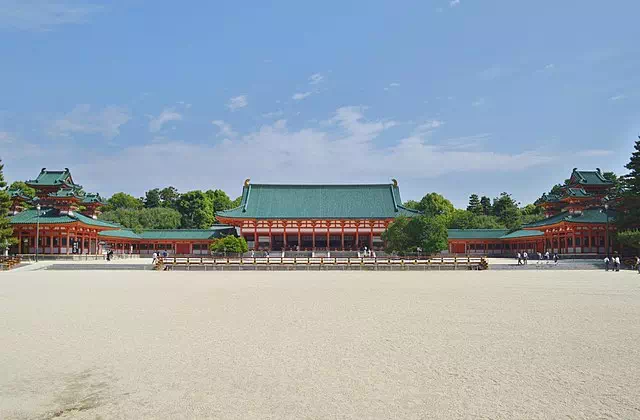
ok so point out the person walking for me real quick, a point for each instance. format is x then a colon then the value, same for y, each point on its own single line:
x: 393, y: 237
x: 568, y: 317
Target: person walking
x: 616, y: 263
x: 155, y: 257
x: 525, y: 257
x: 519, y: 258
x: 638, y: 264
x: 546, y: 255
x: 606, y: 263
x: 555, y: 258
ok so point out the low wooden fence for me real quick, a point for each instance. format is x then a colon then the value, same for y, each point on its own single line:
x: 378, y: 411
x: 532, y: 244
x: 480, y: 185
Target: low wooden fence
x: 7, y: 263
x: 322, y: 263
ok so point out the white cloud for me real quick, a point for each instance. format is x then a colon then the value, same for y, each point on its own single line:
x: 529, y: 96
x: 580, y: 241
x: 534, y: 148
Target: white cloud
x: 454, y: 3
x: 83, y: 120
x: 549, y: 66
x: 617, y: 97
x: 237, y: 102
x: 13, y: 148
x: 427, y: 127
x: 167, y: 115
x: 595, y: 153
x: 301, y: 95
x: 38, y: 15
x: 392, y: 85
x: 478, y: 102
x: 274, y: 114
x: 346, y: 148
x: 225, y: 128
x: 316, y: 78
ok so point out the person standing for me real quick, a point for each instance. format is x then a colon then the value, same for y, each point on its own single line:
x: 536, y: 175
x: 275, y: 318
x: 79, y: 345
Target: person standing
x: 616, y: 263
x: 525, y: 257
x: 606, y: 263
x: 638, y: 264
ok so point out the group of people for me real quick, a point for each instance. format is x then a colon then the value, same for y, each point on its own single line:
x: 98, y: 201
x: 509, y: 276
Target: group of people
x: 158, y: 255
x: 613, y: 263
x: 523, y: 258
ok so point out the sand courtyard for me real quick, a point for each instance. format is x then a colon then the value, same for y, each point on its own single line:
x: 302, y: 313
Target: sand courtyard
x: 315, y: 345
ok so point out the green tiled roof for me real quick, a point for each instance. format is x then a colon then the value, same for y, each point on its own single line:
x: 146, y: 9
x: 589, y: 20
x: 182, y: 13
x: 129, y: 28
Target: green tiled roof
x: 65, y: 193
x: 18, y: 193
x: 589, y: 177
x: 269, y: 201
x: 477, y: 233
x: 50, y: 215
x: 52, y: 178
x: 92, y: 198
x: 587, y: 216
x: 119, y: 233
x: 170, y: 234
x: 577, y: 192
x: 522, y: 234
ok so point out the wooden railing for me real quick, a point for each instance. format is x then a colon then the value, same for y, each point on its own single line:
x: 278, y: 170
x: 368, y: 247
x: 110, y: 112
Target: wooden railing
x: 346, y: 263
x: 7, y: 263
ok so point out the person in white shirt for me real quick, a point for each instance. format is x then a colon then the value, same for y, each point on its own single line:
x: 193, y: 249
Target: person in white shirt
x: 525, y: 257
x: 606, y: 263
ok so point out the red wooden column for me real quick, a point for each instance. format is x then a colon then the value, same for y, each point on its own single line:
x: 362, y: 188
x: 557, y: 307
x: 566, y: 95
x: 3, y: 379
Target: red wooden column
x: 342, y: 234
x: 371, y: 235
x: 255, y: 235
x: 357, y: 235
x: 313, y: 236
x: 328, y: 235
x: 270, y: 238
x: 299, y: 235
x: 68, y: 240
x: 284, y: 234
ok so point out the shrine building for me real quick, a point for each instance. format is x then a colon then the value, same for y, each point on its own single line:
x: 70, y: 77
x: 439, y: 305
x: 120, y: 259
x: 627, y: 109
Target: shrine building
x: 63, y: 219
x: 315, y: 217
x: 578, y: 221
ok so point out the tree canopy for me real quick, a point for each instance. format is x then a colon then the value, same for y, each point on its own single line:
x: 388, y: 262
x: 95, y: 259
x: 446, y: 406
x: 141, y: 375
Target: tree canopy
x: 412, y: 234
x: 6, y: 231
x: 229, y: 244
x: 152, y: 198
x: 628, y: 216
x: 475, y: 206
x: 26, y: 190
x: 434, y: 204
x: 138, y: 219
x: 123, y: 200
x: 196, y: 209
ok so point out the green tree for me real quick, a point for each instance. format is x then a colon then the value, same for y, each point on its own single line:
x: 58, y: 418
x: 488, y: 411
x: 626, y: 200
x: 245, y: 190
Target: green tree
x: 26, y: 190
x: 433, y: 204
x: 229, y: 244
x: 196, y: 210
x: 475, y: 206
x: 128, y: 218
x: 464, y: 219
x: 122, y: 200
x: 159, y: 218
x: 406, y: 235
x: 411, y: 204
x: 485, y: 202
x: 628, y: 216
x: 630, y: 238
x: 152, y: 198
x: 169, y: 197
x: 236, y: 203
x: 505, y: 208
x: 6, y: 231
x: 220, y: 200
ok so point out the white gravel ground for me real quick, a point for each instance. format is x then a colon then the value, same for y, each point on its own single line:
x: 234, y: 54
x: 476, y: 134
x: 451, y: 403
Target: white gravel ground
x: 318, y: 345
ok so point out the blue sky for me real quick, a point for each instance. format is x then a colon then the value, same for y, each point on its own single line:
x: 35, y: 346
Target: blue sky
x: 457, y: 97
